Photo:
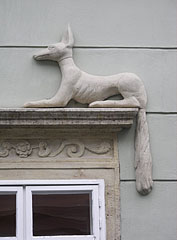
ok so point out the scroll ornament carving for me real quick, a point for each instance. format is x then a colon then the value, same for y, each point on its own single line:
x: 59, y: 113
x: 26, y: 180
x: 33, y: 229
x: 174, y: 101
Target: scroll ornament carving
x: 74, y: 148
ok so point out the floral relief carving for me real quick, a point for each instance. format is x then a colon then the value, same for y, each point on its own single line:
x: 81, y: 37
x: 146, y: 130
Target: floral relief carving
x: 72, y: 148
x: 23, y: 149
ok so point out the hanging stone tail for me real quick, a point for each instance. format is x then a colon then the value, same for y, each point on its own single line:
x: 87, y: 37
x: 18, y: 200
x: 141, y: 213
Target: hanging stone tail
x: 143, y: 159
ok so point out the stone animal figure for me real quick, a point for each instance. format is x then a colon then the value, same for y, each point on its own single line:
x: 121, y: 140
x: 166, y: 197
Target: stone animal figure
x: 93, y: 90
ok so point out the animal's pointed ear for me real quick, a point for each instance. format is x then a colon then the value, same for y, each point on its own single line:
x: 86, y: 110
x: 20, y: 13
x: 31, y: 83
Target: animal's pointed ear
x: 68, y: 38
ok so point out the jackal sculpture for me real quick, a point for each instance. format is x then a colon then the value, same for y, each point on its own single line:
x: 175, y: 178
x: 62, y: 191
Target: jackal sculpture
x: 93, y: 90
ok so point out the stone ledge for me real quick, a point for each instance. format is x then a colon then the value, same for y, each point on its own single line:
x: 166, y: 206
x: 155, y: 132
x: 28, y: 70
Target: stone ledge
x: 68, y: 118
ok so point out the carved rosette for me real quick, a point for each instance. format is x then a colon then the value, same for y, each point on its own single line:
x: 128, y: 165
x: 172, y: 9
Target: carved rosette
x: 23, y: 149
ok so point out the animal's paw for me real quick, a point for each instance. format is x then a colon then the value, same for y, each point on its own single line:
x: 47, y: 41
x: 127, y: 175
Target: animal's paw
x: 144, y: 182
x: 144, y: 186
x: 96, y: 104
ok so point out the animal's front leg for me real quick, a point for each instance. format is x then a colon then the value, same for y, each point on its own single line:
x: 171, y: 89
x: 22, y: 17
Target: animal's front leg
x: 61, y: 99
x: 53, y: 102
x: 40, y: 103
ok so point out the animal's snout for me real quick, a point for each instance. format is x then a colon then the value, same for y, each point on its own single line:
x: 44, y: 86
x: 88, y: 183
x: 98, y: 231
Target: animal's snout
x: 37, y: 57
x: 42, y: 55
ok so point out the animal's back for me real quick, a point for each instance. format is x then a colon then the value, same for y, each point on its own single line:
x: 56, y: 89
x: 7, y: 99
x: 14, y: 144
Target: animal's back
x: 90, y: 88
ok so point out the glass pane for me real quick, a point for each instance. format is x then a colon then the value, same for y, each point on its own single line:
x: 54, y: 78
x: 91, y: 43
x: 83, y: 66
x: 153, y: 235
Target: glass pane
x: 7, y: 215
x: 61, y: 214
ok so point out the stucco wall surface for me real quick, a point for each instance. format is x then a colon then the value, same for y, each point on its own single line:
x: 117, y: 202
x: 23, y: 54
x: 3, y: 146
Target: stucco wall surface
x: 112, y: 36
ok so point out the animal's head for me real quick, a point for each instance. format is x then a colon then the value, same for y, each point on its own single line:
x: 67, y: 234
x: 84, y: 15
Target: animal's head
x: 58, y: 51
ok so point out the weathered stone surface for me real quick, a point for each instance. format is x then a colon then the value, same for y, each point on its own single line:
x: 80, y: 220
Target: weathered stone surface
x: 51, y: 148
x: 56, y: 148
x: 69, y: 118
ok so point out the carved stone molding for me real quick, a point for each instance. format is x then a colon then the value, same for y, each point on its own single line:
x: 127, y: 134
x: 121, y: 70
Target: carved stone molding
x: 72, y: 148
x: 109, y: 119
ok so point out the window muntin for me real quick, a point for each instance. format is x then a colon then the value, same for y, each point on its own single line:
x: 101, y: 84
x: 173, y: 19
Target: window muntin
x: 93, y: 189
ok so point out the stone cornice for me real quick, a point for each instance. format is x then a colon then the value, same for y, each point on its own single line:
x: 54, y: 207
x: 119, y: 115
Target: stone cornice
x: 110, y: 119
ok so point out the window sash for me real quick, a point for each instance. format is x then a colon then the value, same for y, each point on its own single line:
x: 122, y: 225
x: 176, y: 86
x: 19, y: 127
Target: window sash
x: 63, y: 189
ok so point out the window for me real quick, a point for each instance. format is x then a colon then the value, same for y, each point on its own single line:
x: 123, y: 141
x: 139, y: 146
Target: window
x: 36, y: 210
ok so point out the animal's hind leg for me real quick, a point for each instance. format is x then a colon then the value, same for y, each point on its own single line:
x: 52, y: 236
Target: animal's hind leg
x: 130, y: 102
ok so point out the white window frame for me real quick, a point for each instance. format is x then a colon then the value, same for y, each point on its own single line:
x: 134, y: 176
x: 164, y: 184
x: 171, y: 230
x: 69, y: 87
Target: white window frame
x: 24, y: 190
x: 18, y: 191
